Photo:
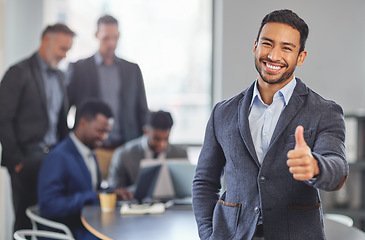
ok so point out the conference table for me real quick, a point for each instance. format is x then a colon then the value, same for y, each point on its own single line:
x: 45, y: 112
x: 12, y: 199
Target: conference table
x: 176, y: 223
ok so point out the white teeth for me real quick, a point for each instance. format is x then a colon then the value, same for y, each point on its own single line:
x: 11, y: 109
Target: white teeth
x: 272, y: 67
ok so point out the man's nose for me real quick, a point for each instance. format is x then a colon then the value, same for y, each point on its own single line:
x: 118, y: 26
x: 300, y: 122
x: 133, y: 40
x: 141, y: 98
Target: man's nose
x: 274, y: 54
x: 103, y: 136
x: 163, y: 144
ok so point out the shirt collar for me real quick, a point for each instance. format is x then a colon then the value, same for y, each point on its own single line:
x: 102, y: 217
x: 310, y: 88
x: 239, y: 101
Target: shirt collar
x: 81, y: 147
x: 148, y: 151
x: 99, y: 59
x: 145, y: 146
x: 286, y: 92
x: 44, y: 66
x: 144, y: 143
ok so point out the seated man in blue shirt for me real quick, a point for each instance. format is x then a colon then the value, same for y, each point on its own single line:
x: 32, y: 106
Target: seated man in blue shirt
x: 154, y: 143
x: 70, y: 177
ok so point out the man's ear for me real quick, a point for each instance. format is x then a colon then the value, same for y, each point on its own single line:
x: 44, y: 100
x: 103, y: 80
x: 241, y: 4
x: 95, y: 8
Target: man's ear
x: 146, y: 130
x: 254, y: 47
x: 301, y: 57
x: 82, y: 122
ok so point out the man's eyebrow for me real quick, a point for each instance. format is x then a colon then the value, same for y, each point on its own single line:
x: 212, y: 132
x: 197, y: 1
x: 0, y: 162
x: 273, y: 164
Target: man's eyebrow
x: 290, y: 44
x: 285, y: 43
x: 266, y: 39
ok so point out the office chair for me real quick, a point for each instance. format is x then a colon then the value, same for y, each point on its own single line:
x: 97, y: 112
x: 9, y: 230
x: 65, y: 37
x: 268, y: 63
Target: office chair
x: 335, y: 230
x: 340, y: 218
x: 33, y: 213
x: 22, y: 234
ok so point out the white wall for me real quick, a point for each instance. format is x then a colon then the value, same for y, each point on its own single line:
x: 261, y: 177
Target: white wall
x: 2, y: 35
x: 21, y: 24
x: 335, y: 64
x: 6, y: 215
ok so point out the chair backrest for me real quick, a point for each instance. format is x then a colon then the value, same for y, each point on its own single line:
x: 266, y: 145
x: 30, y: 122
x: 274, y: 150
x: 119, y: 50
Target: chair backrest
x: 340, y: 218
x: 22, y: 234
x: 33, y: 213
x: 335, y: 230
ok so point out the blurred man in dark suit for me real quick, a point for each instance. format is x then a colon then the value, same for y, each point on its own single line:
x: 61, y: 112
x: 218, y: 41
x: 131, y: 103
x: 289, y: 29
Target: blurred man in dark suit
x: 33, y: 115
x: 117, y: 82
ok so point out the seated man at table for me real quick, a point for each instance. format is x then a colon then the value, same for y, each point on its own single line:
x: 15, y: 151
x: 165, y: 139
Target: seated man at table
x: 154, y: 143
x: 70, y: 177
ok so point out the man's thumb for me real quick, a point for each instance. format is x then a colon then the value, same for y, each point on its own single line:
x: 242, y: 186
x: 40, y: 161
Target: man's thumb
x: 299, y: 137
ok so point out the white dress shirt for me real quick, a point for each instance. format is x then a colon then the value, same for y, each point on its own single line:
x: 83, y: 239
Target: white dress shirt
x: 148, y: 152
x: 263, y: 118
x: 88, y: 155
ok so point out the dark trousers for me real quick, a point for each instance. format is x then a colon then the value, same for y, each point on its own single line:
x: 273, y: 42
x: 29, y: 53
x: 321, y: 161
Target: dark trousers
x: 259, y: 234
x: 24, y: 187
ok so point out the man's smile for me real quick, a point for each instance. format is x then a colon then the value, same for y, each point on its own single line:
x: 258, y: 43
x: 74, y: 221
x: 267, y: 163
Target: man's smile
x: 272, y: 67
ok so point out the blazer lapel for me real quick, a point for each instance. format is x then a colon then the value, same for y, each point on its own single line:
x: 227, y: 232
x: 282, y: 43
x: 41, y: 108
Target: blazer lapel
x: 80, y: 161
x: 295, y: 103
x: 243, y: 123
x: 97, y: 172
x: 124, y: 95
x: 94, y: 78
x: 61, y: 81
x: 37, y: 76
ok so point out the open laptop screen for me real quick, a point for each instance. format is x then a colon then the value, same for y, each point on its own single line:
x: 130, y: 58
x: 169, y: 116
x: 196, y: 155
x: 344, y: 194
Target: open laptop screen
x: 146, y: 182
x: 182, y: 174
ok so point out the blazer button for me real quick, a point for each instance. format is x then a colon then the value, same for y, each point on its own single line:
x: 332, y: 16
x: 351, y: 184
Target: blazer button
x: 45, y: 150
x: 257, y: 210
x: 262, y: 179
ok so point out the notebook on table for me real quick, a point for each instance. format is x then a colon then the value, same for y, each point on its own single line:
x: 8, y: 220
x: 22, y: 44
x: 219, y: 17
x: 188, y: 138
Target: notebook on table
x: 143, y: 194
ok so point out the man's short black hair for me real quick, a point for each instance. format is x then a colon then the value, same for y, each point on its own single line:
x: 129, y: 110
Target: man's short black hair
x: 90, y: 108
x: 160, y: 120
x: 106, y: 19
x: 290, y: 18
x: 58, y: 28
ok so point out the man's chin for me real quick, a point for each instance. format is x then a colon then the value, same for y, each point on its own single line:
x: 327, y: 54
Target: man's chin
x: 271, y: 79
x: 92, y: 146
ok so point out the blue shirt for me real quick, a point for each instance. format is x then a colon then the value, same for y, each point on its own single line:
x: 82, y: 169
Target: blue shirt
x: 54, y: 97
x: 110, y: 86
x: 263, y: 118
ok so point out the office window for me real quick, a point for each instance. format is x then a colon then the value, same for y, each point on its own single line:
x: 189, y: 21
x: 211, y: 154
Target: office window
x: 170, y: 40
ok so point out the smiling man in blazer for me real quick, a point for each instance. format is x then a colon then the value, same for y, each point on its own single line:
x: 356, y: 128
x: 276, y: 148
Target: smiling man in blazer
x: 69, y: 177
x: 277, y: 143
x: 33, y: 116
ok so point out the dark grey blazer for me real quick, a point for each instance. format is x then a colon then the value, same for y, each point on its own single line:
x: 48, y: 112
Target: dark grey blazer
x: 84, y: 84
x: 290, y: 209
x: 126, y: 160
x: 23, y: 111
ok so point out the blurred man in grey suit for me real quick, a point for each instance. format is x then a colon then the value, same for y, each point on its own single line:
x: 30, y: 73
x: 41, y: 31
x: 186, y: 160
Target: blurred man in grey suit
x: 153, y: 144
x: 33, y: 116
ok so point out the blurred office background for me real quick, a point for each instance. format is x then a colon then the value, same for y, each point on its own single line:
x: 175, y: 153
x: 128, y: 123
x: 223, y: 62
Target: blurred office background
x: 194, y: 53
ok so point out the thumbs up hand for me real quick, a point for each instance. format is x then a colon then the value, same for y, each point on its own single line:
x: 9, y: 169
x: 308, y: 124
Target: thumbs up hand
x: 301, y: 162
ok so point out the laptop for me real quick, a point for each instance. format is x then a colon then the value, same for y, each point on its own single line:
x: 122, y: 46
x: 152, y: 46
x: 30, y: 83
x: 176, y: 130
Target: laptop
x: 146, y: 182
x: 182, y: 174
x: 174, y: 180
